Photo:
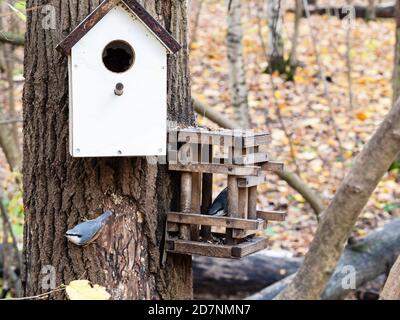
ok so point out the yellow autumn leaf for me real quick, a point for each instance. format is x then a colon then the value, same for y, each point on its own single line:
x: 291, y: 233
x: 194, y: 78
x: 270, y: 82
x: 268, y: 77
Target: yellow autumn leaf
x: 84, y: 290
x: 194, y: 45
x: 361, y: 115
x: 360, y: 232
x: 298, y: 198
x: 277, y: 94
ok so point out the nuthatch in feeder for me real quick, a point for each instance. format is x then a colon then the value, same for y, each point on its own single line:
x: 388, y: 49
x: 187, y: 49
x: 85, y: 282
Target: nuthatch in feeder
x: 88, y: 231
x: 220, y: 205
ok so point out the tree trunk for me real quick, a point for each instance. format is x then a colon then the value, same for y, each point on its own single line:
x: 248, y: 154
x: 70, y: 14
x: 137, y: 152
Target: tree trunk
x: 296, y: 30
x: 276, y: 59
x: 396, y: 67
x: 339, y: 218
x: 60, y: 191
x: 371, y: 14
x: 370, y: 257
x: 391, y: 290
x: 237, y: 72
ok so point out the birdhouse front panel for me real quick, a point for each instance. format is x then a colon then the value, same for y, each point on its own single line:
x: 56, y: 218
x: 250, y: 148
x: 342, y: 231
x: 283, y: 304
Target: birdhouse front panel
x: 118, y: 98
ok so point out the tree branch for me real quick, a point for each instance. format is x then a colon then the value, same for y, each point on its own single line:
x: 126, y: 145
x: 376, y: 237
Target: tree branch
x: 14, y: 39
x: 342, y: 213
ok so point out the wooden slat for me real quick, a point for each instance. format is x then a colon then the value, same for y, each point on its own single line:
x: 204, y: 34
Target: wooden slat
x: 240, y: 234
x: 251, y: 181
x: 199, y: 248
x: 256, y: 140
x: 272, y: 166
x: 226, y: 138
x: 216, y: 221
x: 217, y: 250
x: 217, y: 168
x: 196, y: 201
x: 272, y: 215
x: 186, y: 203
x: 243, y: 203
x: 207, y: 187
x: 249, y: 247
x: 233, y: 205
x: 251, y: 159
x: 252, y: 209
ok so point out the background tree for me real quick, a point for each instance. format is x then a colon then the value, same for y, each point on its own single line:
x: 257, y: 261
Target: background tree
x: 237, y: 72
x: 60, y: 190
x: 396, y: 67
x: 342, y: 213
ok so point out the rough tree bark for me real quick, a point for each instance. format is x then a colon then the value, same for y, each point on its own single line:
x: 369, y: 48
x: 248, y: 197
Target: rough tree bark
x: 237, y: 72
x: 339, y: 218
x: 59, y: 191
x: 391, y: 290
x: 370, y: 257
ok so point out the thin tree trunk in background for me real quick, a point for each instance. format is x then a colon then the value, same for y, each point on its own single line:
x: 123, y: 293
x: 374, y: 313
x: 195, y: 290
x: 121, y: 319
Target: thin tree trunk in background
x: 59, y: 191
x: 275, y: 40
x: 237, y: 72
x: 9, y: 138
x: 391, y: 290
x: 348, y: 60
x: 8, y: 145
x: 371, y: 13
x: 197, y: 6
x: 396, y: 67
x: 296, y: 27
x: 339, y: 218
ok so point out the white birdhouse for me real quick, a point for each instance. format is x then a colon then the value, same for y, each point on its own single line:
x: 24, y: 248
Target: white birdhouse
x: 118, y: 82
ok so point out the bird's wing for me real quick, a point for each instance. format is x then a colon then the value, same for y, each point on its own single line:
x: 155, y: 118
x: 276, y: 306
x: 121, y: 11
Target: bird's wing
x: 220, y: 203
x: 88, y: 229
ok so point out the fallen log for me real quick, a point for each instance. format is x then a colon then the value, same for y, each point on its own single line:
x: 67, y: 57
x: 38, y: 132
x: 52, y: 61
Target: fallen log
x: 216, y: 278
x: 370, y: 257
x: 384, y: 10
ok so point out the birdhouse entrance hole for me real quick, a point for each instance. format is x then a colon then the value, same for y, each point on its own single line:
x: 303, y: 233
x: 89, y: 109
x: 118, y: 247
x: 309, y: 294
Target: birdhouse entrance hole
x: 118, y: 56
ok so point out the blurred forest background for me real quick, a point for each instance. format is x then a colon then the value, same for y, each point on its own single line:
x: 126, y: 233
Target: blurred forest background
x: 321, y: 102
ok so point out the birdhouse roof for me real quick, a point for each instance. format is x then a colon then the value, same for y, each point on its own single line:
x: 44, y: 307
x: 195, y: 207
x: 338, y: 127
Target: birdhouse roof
x: 86, y: 25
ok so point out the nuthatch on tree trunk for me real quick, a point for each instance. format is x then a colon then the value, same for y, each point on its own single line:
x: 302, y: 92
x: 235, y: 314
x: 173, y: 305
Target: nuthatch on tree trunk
x: 220, y: 205
x: 88, y: 231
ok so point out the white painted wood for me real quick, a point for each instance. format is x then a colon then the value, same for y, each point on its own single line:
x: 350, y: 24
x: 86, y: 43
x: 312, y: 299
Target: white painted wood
x: 104, y: 124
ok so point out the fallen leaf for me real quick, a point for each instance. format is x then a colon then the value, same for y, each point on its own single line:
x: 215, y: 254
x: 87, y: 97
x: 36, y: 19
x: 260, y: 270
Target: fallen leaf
x: 84, y: 290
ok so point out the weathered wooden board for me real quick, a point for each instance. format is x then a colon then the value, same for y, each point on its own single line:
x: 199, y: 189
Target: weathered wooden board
x: 216, y: 221
x: 240, y: 234
x: 251, y: 159
x: 249, y: 247
x: 216, y: 168
x: 199, y: 248
x: 227, y: 138
x: 251, y: 181
x: 272, y: 166
x: 272, y: 215
x: 236, y: 251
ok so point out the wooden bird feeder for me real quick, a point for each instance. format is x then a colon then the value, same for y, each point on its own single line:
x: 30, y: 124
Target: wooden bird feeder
x: 198, y: 154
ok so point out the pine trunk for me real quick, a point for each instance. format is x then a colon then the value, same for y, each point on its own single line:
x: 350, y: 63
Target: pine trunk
x: 60, y: 191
